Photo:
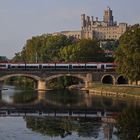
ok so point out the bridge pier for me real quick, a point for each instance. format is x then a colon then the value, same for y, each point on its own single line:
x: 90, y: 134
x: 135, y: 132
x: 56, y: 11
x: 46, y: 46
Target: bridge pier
x: 88, y: 100
x: 41, y: 85
x: 41, y: 95
x: 88, y: 84
x: 89, y: 80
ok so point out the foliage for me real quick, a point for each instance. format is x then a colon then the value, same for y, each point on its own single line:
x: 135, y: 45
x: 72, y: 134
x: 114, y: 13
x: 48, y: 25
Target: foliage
x: 110, y: 45
x: 44, y: 48
x: 49, y: 48
x: 3, y: 59
x: 21, y: 82
x: 82, y: 51
x: 127, y: 55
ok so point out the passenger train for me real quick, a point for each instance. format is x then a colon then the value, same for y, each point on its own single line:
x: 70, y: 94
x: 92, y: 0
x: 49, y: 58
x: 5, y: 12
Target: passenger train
x: 58, y: 66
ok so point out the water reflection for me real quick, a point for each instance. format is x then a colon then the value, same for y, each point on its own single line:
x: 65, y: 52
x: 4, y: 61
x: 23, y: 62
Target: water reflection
x: 66, y: 98
x: 24, y: 97
x: 108, y: 130
x: 126, y: 128
x: 63, y: 127
x: 14, y: 96
x: 128, y: 122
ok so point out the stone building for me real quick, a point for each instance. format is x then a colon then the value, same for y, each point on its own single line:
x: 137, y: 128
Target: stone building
x: 101, y: 30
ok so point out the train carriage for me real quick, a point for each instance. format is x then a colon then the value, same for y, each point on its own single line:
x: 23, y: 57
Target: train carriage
x: 62, y: 66
x: 91, y: 66
x: 59, y: 66
x: 3, y: 66
x: 48, y: 66
x: 79, y: 66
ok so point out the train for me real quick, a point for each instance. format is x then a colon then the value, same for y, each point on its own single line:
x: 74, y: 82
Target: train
x: 58, y: 66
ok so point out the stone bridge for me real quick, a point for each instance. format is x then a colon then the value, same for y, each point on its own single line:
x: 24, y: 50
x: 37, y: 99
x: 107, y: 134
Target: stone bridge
x: 42, y: 77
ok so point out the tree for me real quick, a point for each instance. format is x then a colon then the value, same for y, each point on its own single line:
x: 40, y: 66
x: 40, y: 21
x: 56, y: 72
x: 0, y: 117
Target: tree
x: 44, y: 48
x: 3, y: 59
x: 17, y: 57
x: 110, y: 45
x: 127, y: 55
x: 84, y: 50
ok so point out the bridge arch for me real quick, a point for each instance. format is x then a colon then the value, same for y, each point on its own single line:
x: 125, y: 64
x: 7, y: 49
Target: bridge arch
x: 72, y: 75
x: 108, y: 79
x: 36, y: 78
x: 121, y: 80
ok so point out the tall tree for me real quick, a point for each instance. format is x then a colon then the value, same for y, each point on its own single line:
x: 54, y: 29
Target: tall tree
x: 127, y: 55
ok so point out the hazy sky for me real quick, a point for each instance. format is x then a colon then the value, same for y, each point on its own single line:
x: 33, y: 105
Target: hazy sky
x: 22, y: 19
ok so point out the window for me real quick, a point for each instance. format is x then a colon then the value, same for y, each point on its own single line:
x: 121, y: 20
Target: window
x: 94, y: 67
x: 2, y: 65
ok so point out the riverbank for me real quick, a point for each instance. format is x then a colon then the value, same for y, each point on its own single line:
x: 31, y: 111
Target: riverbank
x: 115, y: 90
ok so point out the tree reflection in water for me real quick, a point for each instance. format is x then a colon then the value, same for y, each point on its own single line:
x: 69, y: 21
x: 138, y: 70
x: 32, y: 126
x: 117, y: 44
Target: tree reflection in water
x: 24, y: 96
x: 85, y: 127
x: 128, y: 122
x: 65, y: 97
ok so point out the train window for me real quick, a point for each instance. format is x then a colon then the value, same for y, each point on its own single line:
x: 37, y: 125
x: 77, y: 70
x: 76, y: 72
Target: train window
x: 78, y: 67
x: 32, y: 67
x: 108, y: 65
x: 61, y: 67
x: 47, y: 67
x: 13, y: 67
x: 21, y: 67
x: 2, y: 65
x: 94, y: 67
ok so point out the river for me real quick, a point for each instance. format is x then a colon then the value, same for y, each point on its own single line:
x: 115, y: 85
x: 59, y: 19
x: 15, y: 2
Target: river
x: 56, y: 127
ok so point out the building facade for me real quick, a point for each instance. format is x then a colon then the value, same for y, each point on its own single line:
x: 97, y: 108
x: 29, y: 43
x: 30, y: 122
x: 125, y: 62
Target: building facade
x: 101, y: 30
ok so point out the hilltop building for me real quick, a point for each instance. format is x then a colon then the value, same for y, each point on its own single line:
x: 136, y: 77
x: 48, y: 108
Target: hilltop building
x: 101, y: 30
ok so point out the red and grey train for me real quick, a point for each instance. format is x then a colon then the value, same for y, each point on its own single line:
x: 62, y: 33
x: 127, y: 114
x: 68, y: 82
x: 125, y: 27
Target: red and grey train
x: 58, y: 66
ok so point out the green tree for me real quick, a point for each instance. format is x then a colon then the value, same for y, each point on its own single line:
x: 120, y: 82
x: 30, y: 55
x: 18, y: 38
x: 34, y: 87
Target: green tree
x: 3, y: 59
x: 127, y: 55
x: 110, y: 45
x: 44, y: 48
x: 83, y: 51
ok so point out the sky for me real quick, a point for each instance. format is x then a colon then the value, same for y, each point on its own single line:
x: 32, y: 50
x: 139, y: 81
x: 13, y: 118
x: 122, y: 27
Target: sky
x: 22, y: 19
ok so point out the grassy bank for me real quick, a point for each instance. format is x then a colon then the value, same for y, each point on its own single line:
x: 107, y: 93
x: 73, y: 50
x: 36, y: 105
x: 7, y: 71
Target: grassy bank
x: 133, y: 90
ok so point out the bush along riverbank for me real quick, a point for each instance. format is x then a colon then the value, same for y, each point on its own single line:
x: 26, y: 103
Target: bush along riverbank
x: 115, y: 90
